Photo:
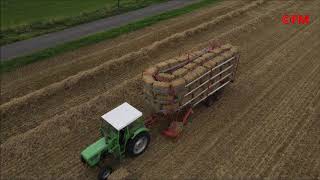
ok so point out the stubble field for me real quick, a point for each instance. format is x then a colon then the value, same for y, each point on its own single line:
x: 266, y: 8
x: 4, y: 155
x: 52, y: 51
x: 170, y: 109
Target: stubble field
x: 266, y: 124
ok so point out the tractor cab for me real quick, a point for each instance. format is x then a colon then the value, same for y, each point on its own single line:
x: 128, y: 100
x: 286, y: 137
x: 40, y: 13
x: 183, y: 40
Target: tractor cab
x: 122, y: 132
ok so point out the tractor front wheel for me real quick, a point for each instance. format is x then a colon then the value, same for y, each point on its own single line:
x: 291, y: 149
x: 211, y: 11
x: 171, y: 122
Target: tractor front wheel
x: 104, y: 173
x: 139, y: 144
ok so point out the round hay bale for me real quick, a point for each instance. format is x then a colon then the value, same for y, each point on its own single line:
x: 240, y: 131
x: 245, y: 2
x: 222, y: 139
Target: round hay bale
x: 234, y: 50
x: 163, y: 101
x: 172, y: 62
x: 148, y: 81
x: 182, y: 58
x: 162, y: 66
x: 190, y: 77
x: 200, y: 70
x: 164, y: 97
x: 161, y: 87
x: 209, y: 56
x: 170, y: 107
x: 180, y: 72
x: 217, y: 51
x: 218, y: 60
x: 226, y: 47
x: 196, y: 54
x: 165, y: 77
x: 201, y: 60
x: 150, y: 71
x: 227, y: 55
x: 210, y: 64
x: 178, y: 85
x: 190, y: 66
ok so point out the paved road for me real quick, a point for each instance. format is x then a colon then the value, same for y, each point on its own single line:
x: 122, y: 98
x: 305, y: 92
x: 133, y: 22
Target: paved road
x: 28, y: 46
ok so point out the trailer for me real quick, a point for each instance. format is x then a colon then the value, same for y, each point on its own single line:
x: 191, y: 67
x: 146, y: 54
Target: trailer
x: 172, y: 88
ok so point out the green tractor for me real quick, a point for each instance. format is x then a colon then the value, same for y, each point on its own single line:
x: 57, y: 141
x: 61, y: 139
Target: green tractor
x: 122, y: 133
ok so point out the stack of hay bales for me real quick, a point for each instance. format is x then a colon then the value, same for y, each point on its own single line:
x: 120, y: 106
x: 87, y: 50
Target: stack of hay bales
x: 171, y: 84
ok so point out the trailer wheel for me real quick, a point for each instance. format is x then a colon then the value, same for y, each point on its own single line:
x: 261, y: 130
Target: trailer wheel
x: 210, y: 100
x: 139, y: 144
x: 104, y: 173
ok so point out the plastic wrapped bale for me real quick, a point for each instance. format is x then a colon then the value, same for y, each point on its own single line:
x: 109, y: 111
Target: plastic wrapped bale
x: 178, y: 87
x: 165, y: 77
x: 179, y: 72
x: 151, y: 71
x: 190, y: 66
x: 161, y: 87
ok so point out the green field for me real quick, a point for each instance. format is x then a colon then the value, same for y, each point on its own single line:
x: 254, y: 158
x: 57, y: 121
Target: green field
x: 22, y: 19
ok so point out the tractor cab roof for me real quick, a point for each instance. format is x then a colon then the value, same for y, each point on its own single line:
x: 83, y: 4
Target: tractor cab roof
x: 121, y: 116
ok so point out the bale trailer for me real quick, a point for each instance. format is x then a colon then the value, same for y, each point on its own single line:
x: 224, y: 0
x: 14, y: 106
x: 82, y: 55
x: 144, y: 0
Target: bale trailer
x: 172, y: 89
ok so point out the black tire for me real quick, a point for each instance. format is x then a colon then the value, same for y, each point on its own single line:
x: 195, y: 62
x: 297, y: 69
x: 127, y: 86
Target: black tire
x: 104, y: 173
x: 133, y: 149
x: 210, y: 100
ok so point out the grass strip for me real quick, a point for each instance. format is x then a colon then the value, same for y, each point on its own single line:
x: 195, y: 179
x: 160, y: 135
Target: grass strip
x: 39, y: 27
x: 12, y: 64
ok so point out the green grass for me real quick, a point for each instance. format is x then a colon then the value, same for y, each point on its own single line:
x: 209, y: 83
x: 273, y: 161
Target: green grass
x: 47, y: 53
x: 23, y: 19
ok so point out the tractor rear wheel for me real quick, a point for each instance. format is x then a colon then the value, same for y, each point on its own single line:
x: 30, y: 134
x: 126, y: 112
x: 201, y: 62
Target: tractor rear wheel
x: 138, y: 144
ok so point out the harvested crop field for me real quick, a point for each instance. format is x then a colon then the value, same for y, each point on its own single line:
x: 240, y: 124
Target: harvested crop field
x: 265, y: 124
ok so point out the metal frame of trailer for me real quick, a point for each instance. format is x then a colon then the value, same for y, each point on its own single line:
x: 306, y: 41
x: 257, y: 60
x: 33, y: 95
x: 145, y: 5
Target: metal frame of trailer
x: 180, y: 117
